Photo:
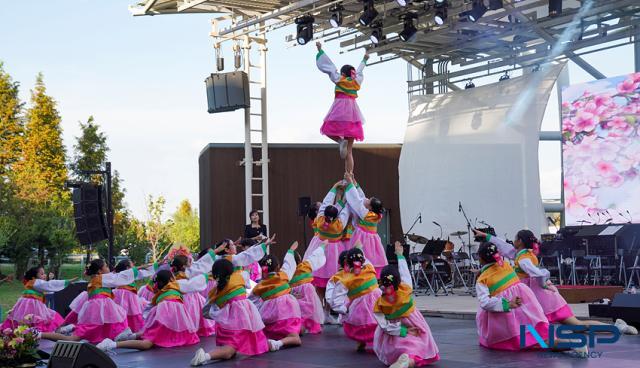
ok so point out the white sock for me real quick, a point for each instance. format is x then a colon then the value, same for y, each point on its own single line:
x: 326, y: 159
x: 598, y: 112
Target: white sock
x: 275, y: 345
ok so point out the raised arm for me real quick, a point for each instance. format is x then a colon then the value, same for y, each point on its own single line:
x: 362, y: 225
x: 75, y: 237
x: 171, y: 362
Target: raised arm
x: 405, y: 274
x: 541, y: 274
x: 195, y: 284
x: 327, y: 201
x: 145, y: 273
x: 317, y: 258
x: 359, y: 75
x: 50, y: 286
x: 289, y: 264
x: 338, y: 299
x: 324, y: 63
x: 249, y: 256
x: 203, y: 265
x: 126, y: 277
x: 505, y: 249
x: 356, y: 203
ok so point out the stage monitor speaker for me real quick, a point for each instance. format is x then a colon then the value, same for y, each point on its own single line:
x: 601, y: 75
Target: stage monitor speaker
x: 71, y: 354
x: 626, y: 307
x: 88, y: 214
x: 227, y: 92
x: 64, y: 297
x: 303, y: 205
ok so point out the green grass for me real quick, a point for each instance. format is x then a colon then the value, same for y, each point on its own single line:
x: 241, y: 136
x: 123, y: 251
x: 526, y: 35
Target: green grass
x: 10, y: 291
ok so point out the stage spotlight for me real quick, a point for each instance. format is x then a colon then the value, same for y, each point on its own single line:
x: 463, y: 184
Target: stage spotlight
x: 376, y: 35
x: 469, y: 85
x: 504, y: 77
x: 477, y: 10
x: 369, y: 13
x: 409, y: 30
x: 555, y: 8
x: 304, y: 29
x: 336, y: 15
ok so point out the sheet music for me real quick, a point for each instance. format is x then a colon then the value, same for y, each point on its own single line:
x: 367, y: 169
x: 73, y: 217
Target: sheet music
x: 611, y: 230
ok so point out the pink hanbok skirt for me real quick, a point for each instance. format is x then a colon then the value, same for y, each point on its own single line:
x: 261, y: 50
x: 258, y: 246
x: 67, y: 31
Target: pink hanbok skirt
x: 168, y: 325
x: 193, y: 303
x: 422, y: 349
x: 310, y: 308
x: 75, y: 306
x: 553, y: 304
x: 42, y: 318
x: 133, y: 305
x: 100, y: 318
x: 281, y: 316
x: 344, y: 119
x: 371, y: 247
x: 501, y: 330
x: 238, y: 324
x: 359, y: 324
x: 322, y: 275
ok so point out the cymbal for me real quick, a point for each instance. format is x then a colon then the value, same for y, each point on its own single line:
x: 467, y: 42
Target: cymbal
x: 417, y: 238
x: 459, y: 233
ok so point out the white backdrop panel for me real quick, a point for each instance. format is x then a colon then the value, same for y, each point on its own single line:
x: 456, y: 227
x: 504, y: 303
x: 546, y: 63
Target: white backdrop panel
x: 479, y: 147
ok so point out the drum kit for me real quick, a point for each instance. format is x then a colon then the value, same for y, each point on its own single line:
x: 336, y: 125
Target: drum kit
x: 438, y: 268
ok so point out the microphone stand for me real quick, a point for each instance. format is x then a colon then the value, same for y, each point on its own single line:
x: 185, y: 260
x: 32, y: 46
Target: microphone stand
x: 468, y: 225
x: 405, y: 235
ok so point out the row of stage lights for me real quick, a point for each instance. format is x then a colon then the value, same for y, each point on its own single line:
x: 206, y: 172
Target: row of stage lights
x: 369, y: 15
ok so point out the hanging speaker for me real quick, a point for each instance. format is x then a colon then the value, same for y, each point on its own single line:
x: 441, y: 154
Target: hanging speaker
x: 227, y: 92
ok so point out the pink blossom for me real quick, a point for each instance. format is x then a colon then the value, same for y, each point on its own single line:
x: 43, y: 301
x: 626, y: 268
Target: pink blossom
x: 628, y: 86
x: 605, y: 168
x: 578, y: 199
x: 635, y: 77
x: 619, y: 123
x: 19, y: 340
x: 614, y: 180
x: 565, y: 104
x: 602, y: 100
x: 585, y: 122
x: 567, y: 125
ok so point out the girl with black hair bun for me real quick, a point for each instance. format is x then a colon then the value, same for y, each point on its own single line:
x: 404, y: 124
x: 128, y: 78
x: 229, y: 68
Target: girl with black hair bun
x: 100, y: 317
x: 333, y: 216
x: 239, y: 328
x: 524, y: 251
x: 403, y: 337
x: 367, y: 214
x: 343, y: 271
x: 354, y: 296
x: 310, y: 305
x: 505, y: 305
x: 126, y: 296
x: 30, y: 309
x: 279, y: 309
x: 168, y: 323
x: 344, y: 120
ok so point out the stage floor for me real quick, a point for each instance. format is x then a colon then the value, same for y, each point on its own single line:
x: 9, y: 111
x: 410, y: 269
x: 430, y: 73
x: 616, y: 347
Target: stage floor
x: 456, y: 339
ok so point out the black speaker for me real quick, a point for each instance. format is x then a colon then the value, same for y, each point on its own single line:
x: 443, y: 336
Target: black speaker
x: 303, y: 205
x: 627, y: 307
x: 64, y: 297
x: 88, y: 214
x: 555, y: 8
x: 227, y: 92
x: 71, y: 354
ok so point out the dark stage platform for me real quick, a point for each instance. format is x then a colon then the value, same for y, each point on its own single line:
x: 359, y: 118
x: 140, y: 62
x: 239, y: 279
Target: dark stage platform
x: 456, y: 339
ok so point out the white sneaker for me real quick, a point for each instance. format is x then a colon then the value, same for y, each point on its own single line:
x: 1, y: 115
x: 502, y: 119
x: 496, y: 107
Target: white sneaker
x: 200, y: 358
x: 329, y: 319
x: 625, y: 328
x: 343, y: 148
x: 126, y: 335
x: 67, y: 330
x: 107, y: 345
x: 274, y: 345
x: 402, y: 362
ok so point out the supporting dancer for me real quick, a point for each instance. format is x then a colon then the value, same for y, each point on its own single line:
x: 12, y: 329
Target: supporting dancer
x: 344, y: 120
x: 193, y: 300
x: 303, y: 290
x: 524, y: 252
x: 403, y: 338
x: 343, y: 271
x: 354, y: 296
x: 30, y: 309
x: 367, y: 214
x: 239, y: 328
x: 127, y: 297
x: 279, y: 309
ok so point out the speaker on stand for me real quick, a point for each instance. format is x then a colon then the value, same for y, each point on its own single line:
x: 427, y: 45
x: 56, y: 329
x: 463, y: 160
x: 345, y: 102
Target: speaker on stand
x: 303, y: 208
x: 89, y: 214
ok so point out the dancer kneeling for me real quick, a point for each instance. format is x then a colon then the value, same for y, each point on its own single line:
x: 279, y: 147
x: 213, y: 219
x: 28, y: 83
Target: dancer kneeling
x: 279, y: 309
x: 403, y: 338
x: 354, y: 296
x: 303, y: 290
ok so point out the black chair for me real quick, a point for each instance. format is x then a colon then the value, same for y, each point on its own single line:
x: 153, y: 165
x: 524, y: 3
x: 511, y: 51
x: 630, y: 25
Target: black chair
x: 579, y: 264
x: 635, y: 270
x: 552, y: 263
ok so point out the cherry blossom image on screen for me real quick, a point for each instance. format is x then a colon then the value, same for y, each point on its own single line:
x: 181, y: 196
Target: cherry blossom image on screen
x: 601, y: 150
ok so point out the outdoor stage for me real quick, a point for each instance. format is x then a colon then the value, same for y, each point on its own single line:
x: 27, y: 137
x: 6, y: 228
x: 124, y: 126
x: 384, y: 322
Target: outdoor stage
x: 456, y: 339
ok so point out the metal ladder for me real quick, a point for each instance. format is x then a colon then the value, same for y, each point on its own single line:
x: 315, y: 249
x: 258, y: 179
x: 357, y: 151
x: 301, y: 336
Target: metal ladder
x: 255, y: 130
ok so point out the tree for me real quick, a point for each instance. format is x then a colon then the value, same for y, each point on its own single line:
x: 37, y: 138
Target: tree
x: 89, y: 152
x: 41, y: 174
x: 11, y: 125
x: 154, y: 229
x: 185, y: 228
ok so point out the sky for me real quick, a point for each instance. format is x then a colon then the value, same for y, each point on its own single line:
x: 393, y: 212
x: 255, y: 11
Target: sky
x: 142, y: 78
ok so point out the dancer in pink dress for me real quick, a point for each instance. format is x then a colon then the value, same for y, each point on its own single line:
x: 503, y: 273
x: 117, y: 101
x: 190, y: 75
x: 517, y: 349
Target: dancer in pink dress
x: 168, y: 323
x: 367, y: 214
x: 239, y: 328
x: 279, y: 309
x: 302, y: 288
x: 344, y: 120
x: 100, y: 317
x: 524, y: 252
x: 31, y: 309
x: 403, y: 337
x: 193, y: 300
